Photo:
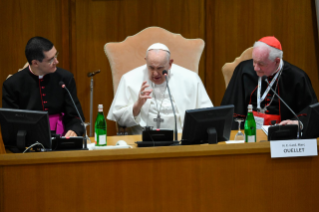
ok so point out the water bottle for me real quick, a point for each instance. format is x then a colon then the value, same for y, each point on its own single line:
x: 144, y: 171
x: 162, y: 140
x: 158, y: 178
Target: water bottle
x: 100, y: 127
x: 250, y: 126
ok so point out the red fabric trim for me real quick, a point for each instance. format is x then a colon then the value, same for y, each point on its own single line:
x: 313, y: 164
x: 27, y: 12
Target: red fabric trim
x: 279, y: 102
x: 41, y: 94
x: 268, y: 117
x: 39, y: 86
x: 239, y: 115
x: 252, y: 94
x: 303, y: 114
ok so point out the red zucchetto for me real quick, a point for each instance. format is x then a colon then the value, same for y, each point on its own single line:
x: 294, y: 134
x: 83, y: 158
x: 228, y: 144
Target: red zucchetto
x: 271, y: 41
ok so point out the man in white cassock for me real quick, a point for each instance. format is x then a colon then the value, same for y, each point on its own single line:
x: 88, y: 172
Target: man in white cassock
x: 142, y: 98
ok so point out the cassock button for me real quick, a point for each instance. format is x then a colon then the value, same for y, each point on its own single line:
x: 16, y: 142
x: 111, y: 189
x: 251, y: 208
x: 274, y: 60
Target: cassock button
x: 45, y: 108
x: 45, y: 102
x: 42, y: 87
x: 43, y: 94
x: 267, y: 111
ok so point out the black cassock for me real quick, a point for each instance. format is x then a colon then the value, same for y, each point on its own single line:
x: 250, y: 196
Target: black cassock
x: 24, y: 90
x: 294, y: 87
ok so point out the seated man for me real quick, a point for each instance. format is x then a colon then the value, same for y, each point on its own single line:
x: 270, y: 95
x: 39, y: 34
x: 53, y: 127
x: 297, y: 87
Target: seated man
x: 142, y: 98
x: 37, y: 88
x: 290, y: 82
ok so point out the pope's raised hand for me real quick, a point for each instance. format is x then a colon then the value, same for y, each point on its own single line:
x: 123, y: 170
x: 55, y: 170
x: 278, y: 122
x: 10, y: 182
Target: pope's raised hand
x: 144, y: 94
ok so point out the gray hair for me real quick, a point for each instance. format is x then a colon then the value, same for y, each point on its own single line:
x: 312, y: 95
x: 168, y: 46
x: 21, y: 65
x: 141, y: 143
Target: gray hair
x: 273, y: 52
x: 168, y: 54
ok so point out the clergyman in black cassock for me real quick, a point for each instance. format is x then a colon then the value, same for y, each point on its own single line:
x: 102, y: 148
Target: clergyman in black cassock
x: 292, y: 84
x: 24, y: 90
x: 37, y: 88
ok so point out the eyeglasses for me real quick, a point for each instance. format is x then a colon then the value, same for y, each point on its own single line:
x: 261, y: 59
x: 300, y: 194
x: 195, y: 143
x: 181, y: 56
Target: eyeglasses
x: 53, y: 59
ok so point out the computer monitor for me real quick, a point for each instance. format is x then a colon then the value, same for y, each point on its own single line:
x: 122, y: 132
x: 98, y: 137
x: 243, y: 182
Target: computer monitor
x: 22, y: 128
x: 311, y: 125
x: 207, y: 125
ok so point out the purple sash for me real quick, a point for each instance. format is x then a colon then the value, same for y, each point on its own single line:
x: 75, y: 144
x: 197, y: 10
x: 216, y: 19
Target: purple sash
x: 56, y: 123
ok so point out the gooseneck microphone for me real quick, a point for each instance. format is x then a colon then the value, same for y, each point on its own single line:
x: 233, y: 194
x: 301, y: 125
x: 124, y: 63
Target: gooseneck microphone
x: 91, y: 74
x: 170, y: 98
x: 61, y: 83
x: 265, y: 79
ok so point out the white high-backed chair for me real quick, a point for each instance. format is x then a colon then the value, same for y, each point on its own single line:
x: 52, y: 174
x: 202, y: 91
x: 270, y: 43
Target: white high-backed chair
x: 129, y: 54
x: 229, y: 68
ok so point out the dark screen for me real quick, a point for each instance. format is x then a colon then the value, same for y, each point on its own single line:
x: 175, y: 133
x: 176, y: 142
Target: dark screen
x: 198, y: 121
x: 34, y: 123
x: 311, y: 125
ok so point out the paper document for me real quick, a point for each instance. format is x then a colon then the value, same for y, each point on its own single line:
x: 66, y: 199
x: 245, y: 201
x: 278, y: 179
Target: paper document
x: 235, y: 142
x: 265, y: 128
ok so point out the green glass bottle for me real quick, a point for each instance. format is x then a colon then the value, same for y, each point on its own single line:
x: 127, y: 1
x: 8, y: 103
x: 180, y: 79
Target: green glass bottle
x: 100, y: 127
x: 250, y: 126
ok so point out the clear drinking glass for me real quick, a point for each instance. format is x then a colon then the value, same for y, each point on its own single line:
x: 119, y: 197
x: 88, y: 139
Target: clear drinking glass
x: 239, y: 135
x: 86, y: 133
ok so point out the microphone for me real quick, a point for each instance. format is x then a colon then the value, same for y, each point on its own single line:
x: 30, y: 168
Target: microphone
x: 265, y: 79
x: 61, y: 83
x: 170, y: 98
x: 91, y: 74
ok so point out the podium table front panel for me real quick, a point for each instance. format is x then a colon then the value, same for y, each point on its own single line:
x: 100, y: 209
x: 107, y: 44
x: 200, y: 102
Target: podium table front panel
x: 223, y: 177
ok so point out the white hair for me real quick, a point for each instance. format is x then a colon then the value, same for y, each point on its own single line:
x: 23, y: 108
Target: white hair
x: 168, y: 55
x: 273, y: 52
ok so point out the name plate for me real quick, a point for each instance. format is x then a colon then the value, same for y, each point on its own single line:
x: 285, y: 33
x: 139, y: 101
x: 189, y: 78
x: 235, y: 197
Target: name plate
x: 293, y: 148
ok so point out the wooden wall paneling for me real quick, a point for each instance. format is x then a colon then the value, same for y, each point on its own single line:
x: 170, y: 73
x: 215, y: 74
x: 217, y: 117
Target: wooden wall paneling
x: 315, y: 25
x: 99, y: 22
x: 20, y: 20
x: 66, y: 34
x: 80, y: 28
x: 232, y: 26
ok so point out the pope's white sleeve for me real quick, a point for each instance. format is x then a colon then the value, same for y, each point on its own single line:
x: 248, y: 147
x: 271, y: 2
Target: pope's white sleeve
x: 124, y: 116
x: 121, y: 110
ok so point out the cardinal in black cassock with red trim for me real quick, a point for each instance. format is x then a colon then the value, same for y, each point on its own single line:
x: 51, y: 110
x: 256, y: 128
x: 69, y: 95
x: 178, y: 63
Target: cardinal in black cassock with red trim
x: 290, y: 82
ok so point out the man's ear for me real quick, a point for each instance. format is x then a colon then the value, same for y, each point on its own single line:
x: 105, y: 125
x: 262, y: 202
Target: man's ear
x: 170, y: 63
x: 34, y: 63
x: 277, y: 60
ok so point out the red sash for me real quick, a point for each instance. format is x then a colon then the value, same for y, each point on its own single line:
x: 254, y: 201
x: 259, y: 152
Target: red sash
x: 268, y: 117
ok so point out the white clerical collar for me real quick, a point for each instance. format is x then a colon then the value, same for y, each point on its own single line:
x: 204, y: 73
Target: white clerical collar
x: 40, y: 76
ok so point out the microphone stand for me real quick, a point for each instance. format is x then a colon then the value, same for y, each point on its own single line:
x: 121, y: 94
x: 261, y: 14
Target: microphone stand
x: 77, y: 111
x: 265, y: 78
x: 91, y: 74
x: 170, y: 97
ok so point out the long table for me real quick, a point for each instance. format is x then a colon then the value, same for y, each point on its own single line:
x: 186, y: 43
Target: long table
x: 222, y: 177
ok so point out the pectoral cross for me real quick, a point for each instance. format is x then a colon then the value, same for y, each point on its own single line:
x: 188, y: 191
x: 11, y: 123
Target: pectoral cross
x: 158, y: 121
